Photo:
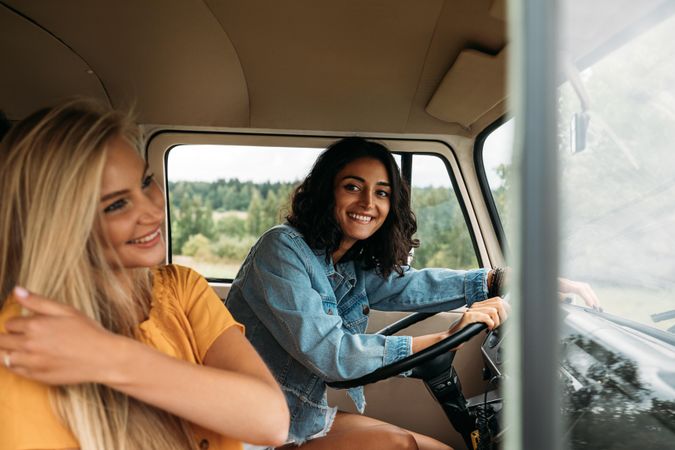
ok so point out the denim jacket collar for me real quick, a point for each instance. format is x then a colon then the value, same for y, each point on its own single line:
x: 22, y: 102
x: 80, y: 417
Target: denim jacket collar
x: 343, y: 271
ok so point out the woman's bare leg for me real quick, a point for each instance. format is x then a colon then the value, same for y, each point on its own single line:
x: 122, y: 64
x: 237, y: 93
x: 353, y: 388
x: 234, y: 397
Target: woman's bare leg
x: 354, y: 431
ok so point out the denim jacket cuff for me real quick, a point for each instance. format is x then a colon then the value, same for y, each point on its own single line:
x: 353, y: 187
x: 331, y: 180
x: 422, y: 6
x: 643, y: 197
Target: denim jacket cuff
x: 397, y: 348
x: 475, y: 286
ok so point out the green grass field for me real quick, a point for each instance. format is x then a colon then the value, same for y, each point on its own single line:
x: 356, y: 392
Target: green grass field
x: 208, y: 269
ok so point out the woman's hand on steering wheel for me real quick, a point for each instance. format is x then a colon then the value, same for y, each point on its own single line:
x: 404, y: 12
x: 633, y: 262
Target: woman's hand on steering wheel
x: 492, y: 312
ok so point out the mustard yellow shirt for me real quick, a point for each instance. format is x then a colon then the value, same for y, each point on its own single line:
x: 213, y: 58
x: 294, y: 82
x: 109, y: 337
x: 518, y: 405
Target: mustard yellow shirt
x: 185, y: 318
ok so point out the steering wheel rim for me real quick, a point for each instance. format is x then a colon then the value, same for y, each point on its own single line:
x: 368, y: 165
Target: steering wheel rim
x: 416, y: 359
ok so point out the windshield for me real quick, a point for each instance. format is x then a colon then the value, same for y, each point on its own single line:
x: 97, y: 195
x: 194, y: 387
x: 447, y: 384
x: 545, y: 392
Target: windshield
x: 616, y: 145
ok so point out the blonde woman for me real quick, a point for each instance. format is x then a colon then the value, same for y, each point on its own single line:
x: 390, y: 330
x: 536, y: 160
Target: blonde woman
x: 100, y: 348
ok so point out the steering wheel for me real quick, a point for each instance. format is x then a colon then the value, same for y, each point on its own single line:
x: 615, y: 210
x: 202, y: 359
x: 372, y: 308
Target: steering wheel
x: 433, y: 366
x: 416, y: 360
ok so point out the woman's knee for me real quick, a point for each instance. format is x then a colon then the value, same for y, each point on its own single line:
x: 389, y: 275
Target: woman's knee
x: 400, y: 439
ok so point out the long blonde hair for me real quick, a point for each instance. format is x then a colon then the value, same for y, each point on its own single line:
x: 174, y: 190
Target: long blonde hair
x: 51, y: 167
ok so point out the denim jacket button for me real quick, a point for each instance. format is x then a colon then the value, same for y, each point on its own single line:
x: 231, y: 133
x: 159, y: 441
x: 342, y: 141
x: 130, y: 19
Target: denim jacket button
x: 366, y: 310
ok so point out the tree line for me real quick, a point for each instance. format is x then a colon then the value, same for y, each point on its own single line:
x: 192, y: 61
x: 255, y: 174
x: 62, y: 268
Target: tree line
x: 220, y: 221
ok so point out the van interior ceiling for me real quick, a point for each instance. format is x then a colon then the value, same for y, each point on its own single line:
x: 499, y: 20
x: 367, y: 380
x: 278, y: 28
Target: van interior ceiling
x: 379, y: 66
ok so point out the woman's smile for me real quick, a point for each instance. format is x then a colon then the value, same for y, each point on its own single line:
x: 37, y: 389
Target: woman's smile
x: 362, y: 190
x: 148, y: 240
x: 360, y: 218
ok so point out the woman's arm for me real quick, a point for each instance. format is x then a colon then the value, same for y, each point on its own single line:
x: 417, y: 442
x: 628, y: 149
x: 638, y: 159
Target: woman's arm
x: 278, y: 285
x: 426, y: 290
x: 234, y: 394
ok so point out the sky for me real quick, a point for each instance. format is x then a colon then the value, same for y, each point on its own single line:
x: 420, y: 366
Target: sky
x: 259, y: 164
x: 247, y: 163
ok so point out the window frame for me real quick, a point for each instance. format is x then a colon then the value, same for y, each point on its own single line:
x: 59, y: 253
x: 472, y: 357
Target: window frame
x: 486, y: 191
x: 161, y: 142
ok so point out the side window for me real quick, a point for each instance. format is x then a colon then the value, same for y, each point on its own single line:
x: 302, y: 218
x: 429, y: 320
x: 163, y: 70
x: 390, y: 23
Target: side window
x: 497, y: 154
x: 445, y: 240
x: 223, y: 197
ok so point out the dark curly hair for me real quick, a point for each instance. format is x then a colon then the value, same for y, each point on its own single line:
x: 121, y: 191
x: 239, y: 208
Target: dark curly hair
x: 313, y: 209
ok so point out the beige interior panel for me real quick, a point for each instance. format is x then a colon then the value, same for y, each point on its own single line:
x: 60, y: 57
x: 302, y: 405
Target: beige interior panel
x: 38, y: 69
x: 172, y: 60
x: 472, y: 86
x: 316, y: 65
x: 342, y: 65
x: 461, y: 25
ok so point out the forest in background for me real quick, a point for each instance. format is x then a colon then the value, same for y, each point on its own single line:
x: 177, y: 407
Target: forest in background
x: 218, y: 222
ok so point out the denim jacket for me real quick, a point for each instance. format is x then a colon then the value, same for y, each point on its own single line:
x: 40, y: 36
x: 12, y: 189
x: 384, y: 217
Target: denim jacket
x: 307, y: 318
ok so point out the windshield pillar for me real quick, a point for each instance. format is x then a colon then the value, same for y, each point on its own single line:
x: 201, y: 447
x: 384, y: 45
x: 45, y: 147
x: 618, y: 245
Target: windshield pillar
x: 532, y: 390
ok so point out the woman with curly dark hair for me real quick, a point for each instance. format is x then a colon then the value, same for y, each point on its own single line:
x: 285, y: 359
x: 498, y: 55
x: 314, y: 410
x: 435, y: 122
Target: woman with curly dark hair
x: 306, y: 288
x: 314, y: 200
